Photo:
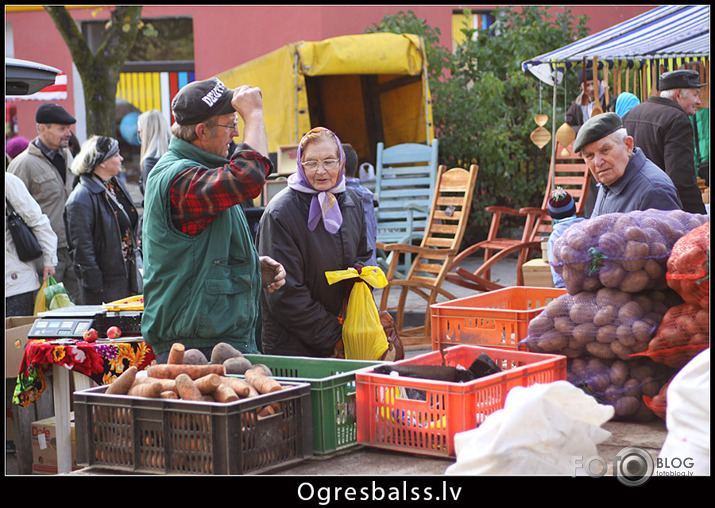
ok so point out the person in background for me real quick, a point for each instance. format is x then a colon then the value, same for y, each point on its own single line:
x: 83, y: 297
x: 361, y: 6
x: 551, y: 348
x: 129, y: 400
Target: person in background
x: 562, y: 209
x: 202, y: 273
x: 44, y: 169
x: 315, y: 225
x: 661, y: 127
x: 625, y: 102
x: 101, y: 223
x: 15, y: 146
x: 154, y: 133
x: 580, y: 112
x: 368, y: 198
x: 627, y: 180
x: 21, y: 278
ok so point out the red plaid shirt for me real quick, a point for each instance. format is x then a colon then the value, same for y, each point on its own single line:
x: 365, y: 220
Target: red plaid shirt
x: 198, y: 194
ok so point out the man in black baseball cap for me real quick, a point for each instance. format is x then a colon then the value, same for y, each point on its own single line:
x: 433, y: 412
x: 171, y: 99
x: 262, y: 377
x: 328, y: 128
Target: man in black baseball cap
x: 202, y: 272
x: 626, y: 179
x: 662, y: 128
x: 44, y: 168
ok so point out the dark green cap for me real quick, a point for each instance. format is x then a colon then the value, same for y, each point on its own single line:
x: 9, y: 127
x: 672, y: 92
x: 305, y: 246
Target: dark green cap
x: 597, y: 127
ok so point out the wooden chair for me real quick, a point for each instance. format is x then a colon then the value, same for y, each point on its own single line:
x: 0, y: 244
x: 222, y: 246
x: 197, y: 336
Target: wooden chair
x: 404, y: 185
x: 444, y: 231
x: 567, y: 171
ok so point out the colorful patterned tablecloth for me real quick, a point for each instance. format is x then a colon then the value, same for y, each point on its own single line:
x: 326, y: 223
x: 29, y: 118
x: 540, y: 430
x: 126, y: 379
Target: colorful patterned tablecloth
x: 102, y: 362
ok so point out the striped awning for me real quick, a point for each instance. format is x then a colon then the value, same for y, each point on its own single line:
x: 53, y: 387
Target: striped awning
x: 664, y: 32
x: 55, y: 92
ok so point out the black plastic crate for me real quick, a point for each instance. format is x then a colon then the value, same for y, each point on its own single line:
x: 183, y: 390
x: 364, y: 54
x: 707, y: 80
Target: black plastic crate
x: 146, y: 435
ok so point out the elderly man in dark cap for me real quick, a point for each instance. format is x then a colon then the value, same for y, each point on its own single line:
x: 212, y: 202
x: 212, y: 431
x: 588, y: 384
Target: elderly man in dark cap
x: 43, y: 167
x: 661, y: 127
x: 202, y: 273
x: 627, y: 180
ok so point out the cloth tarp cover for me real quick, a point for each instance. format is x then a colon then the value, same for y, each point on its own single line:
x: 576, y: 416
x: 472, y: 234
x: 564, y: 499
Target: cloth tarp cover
x: 340, y: 62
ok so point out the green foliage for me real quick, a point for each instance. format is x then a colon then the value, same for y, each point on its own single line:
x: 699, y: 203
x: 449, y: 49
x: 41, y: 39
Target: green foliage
x: 484, y: 104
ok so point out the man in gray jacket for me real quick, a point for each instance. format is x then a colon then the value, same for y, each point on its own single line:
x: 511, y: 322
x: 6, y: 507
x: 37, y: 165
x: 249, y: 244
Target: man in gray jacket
x: 661, y: 127
x: 43, y: 167
x: 627, y: 180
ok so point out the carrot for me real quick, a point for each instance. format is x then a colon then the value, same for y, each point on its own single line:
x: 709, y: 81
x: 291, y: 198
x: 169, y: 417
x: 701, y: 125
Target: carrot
x: 261, y: 382
x: 238, y: 385
x: 168, y: 394
x: 207, y: 384
x: 124, y: 381
x: 152, y: 390
x: 176, y: 354
x: 266, y: 411
x: 187, y: 389
x: 166, y: 384
x: 224, y: 393
x: 168, y: 371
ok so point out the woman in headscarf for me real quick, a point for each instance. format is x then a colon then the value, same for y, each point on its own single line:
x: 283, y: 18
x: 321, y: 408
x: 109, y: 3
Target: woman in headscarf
x: 625, y: 102
x: 101, y: 222
x: 313, y: 226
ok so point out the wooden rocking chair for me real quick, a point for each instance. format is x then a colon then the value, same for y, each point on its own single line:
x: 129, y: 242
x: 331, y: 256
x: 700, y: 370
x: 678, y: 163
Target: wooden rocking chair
x: 567, y: 171
x: 444, y: 231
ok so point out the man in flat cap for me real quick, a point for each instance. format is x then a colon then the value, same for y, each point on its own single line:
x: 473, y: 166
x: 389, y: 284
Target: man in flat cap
x: 44, y: 168
x: 627, y: 180
x: 202, y: 273
x: 661, y: 127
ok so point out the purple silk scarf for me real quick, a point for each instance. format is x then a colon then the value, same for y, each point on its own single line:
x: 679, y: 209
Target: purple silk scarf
x: 324, y: 204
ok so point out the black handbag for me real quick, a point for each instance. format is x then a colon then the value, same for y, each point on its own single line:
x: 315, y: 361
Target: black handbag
x: 28, y: 248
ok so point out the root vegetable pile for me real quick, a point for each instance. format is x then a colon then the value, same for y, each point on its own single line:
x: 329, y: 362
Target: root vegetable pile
x: 200, y: 380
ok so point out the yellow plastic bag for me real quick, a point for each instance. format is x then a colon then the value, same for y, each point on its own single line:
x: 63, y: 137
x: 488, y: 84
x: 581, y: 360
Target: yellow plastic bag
x: 40, y: 299
x: 363, y: 335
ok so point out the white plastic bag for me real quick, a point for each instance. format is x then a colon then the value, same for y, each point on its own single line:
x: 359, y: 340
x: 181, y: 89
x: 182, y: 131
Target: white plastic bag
x: 686, y: 449
x: 539, y: 432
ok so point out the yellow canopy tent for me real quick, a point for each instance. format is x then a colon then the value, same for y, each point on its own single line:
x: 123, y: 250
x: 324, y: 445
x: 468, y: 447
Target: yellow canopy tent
x: 366, y: 88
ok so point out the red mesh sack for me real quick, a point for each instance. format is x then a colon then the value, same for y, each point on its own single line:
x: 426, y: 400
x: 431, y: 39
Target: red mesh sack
x: 606, y: 324
x: 623, y: 384
x: 683, y: 333
x: 659, y: 403
x: 689, y: 266
x: 625, y: 251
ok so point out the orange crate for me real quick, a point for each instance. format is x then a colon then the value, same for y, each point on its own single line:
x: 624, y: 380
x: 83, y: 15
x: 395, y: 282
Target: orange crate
x: 497, y: 318
x: 422, y: 416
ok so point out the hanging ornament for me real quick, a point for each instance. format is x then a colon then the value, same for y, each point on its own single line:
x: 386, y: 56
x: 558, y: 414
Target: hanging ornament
x: 540, y: 136
x: 565, y: 134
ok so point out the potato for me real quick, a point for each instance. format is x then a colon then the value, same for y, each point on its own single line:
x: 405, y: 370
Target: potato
x: 654, y: 269
x: 619, y: 350
x: 626, y: 406
x: 635, y: 255
x: 611, y: 245
x: 619, y: 372
x: 605, y: 315
x: 625, y: 335
x: 600, y: 350
x: 629, y: 311
x: 582, y: 312
x: 607, y: 333
x: 563, y: 324
x: 194, y: 357
x: 635, y: 281
x: 598, y: 381
x: 642, y: 330
x: 611, y: 275
x: 222, y: 352
x: 584, y: 333
x: 237, y: 365
x: 610, y: 296
x: 540, y: 324
x: 553, y: 341
x: 636, y: 234
x: 556, y: 308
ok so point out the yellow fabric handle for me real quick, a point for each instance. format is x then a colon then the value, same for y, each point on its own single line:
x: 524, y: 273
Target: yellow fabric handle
x: 373, y: 275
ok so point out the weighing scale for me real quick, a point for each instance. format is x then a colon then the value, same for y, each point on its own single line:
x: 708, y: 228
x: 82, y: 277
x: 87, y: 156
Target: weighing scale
x: 71, y: 322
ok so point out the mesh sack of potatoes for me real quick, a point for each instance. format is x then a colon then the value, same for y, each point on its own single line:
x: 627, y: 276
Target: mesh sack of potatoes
x: 659, y: 402
x: 607, y: 323
x: 682, y: 334
x: 626, y: 251
x: 688, y: 268
x: 623, y: 384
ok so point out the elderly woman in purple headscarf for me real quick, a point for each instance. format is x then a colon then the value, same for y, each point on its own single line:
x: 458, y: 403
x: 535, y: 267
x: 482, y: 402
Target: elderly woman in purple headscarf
x: 313, y: 226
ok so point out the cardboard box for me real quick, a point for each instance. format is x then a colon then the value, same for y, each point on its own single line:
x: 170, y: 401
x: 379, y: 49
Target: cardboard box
x: 44, y: 446
x: 16, y: 330
x: 537, y: 273
x: 287, y: 158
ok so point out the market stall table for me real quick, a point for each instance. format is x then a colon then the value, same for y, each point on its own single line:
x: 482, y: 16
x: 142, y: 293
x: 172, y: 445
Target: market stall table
x: 100, y: 362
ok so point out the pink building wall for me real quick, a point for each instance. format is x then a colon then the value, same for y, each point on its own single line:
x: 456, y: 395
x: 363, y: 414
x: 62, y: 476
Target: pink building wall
x: 226, y: 36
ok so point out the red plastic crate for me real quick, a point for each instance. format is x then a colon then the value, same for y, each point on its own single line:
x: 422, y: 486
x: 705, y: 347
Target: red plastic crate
x: 497, y: 318
x: 422, y: 416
